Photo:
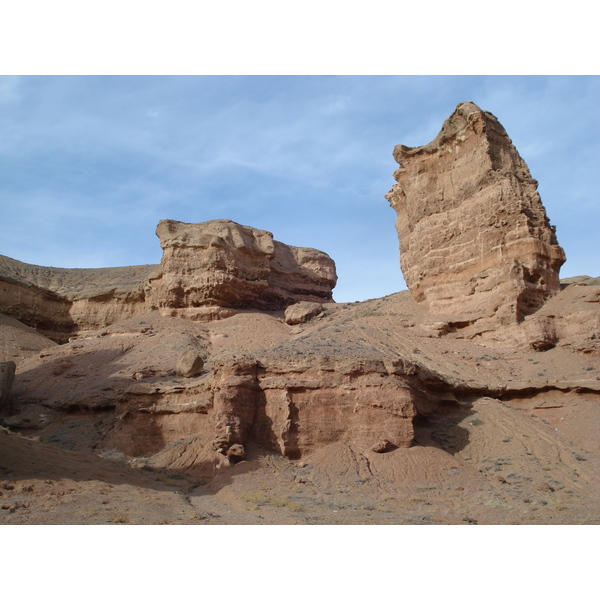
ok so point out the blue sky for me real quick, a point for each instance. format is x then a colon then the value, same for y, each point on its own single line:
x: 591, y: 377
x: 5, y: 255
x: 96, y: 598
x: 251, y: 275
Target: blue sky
x: 90, y: 164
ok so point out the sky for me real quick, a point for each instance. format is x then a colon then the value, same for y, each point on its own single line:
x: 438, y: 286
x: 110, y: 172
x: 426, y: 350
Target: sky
x: 90, y: 164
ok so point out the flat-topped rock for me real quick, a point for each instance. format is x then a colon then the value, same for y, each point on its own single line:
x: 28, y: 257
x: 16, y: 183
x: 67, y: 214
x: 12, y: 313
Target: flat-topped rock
x: 222, y: 263
x: 208, y: 270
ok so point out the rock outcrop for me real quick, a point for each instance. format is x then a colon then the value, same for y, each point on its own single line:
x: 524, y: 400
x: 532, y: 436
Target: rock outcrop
x: 221, y: 263
x: 60, y: 302
x: 296, y: 406
x: 475, y: 240
x: 208, y: 270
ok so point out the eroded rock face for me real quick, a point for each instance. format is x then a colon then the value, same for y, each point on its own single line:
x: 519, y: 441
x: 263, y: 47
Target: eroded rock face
x: 316, y: 402
x: 293, y: 408
x: 371, y: 375
x: 475, y: 240
x: 208, y: 270
x: 62, y: 302
x: 221, y: 263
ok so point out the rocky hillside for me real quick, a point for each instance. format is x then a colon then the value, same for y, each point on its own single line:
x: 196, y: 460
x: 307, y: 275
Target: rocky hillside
x: 225, y: 386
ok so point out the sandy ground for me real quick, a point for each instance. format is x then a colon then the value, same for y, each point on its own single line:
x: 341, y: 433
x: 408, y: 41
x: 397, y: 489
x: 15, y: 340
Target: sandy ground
x: 486, y: 464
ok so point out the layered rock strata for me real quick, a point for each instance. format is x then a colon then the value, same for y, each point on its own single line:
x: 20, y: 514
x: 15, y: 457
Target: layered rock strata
x: 296, y: 407
x: 221, y: 263
x: 62, y: 302
x: 207, y: 271
x: 476, y: 245
x: 366, y: 374
x: 475, y: 240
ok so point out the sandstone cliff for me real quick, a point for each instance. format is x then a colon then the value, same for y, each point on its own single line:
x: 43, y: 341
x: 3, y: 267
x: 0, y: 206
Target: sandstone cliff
x: 475, y: 240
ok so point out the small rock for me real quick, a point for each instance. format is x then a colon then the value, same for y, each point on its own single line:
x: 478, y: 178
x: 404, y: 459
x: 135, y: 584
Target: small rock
x: 544, y: 487
x: 190, y: 363
x: 236, y: 452
x: 302, y: 312
x: 143, y: 374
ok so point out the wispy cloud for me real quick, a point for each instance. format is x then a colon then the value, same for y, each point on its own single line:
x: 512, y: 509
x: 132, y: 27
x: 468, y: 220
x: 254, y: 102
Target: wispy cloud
x: 88, y: 165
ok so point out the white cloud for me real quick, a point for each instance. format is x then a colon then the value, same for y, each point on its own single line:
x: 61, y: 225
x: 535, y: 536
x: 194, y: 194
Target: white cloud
x: 91, y: 164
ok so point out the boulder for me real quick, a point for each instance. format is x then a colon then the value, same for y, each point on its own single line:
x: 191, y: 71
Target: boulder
x: 382, y: 445
x: 189, y: 364
x: 475, y: 240
x: 302, y: 312
x: 541, y: 332
x: 236, y: 453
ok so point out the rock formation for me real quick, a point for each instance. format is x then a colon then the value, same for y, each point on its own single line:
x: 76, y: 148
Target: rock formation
x: 62, y: 302
x: 475, y: 240
x: 410, y: 389
x: 207, y: 270
x: 220, y: 263
x: 295, y: 406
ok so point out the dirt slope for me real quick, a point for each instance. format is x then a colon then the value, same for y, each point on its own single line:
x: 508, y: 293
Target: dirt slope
x: 513, y: 437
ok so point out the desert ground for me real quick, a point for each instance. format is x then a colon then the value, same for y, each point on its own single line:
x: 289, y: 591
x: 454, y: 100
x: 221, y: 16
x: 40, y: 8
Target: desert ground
x: 524, y: 458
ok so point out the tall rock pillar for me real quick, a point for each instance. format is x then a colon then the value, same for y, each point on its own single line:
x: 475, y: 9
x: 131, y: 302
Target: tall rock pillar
x: 475, y: 240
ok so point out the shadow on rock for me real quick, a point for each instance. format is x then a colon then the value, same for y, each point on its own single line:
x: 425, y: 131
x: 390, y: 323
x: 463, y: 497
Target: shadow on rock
x: 23, y: 458
x: 443, y: 429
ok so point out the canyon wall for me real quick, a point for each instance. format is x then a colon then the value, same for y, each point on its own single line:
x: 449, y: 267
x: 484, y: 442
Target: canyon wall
x: 62, y: 302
